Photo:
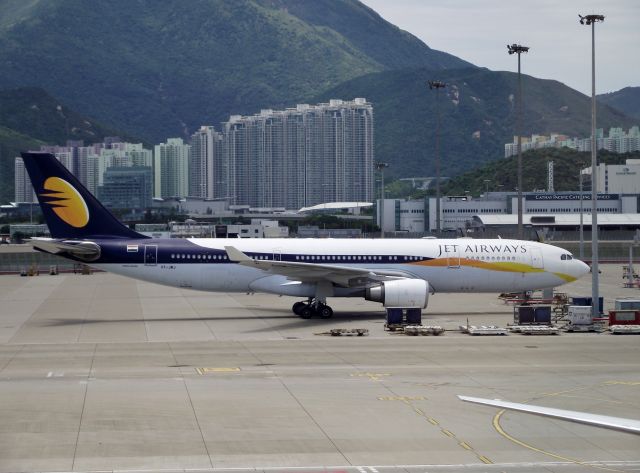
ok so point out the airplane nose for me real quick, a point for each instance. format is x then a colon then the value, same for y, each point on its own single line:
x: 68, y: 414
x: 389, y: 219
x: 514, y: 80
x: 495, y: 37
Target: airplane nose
x: 582, y: 268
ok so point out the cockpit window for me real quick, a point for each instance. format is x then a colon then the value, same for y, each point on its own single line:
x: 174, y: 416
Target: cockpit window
x: 566, y: 257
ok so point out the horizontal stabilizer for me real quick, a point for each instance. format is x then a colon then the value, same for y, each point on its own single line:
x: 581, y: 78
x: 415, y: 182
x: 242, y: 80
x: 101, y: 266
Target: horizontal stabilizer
x: 86, y: 250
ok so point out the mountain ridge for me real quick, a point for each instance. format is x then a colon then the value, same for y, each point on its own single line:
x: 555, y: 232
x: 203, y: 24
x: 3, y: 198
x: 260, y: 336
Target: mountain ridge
x: 163, y: 69
x: 627, y: 100
x: 478, y: 115
x: 30, y: 118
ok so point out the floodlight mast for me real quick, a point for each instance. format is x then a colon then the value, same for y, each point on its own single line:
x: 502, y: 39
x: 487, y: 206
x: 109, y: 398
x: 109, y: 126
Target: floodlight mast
x: 436, y: 84
x: 380, y: 166
x: 591, y: 20
x: 519, y: 49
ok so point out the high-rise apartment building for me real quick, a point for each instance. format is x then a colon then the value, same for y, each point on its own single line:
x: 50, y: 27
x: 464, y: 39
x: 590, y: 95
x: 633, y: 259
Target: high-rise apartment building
x: 301, y: 156
x: 22, y: 184
x: 617, y: 141
x: 208, y: 173
x: 128, y: 187
x: 171, y: 168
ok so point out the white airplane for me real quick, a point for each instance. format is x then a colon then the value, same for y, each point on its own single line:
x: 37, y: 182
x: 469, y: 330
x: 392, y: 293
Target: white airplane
x: 608, y: 422
x: 397, y: 273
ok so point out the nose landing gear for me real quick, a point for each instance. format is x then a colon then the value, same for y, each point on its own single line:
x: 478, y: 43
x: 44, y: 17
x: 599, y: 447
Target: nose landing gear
x: 313, y: 307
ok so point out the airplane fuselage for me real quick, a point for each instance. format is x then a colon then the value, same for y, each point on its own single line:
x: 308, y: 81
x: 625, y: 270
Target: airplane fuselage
x: 449, y: 265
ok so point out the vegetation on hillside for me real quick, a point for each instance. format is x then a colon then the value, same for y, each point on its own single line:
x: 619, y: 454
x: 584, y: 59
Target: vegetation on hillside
x: 160, y: 69
x: 502, y: 174
x: 11, y: 144
x: 29, y: 118
x: 626, y: 100
x: 477, y: 110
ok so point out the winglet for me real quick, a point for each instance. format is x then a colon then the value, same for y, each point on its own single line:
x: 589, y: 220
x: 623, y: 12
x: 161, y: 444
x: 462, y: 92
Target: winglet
x: 236, y: 255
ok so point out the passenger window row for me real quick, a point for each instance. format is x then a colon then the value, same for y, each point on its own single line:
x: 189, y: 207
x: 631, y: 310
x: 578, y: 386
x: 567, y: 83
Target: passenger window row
x: 493, y: 258
x: 200, y: 257
x: 302, y: 258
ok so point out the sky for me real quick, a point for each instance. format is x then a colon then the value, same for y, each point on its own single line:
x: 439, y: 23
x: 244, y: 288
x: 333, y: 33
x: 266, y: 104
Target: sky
x: 478, y: 31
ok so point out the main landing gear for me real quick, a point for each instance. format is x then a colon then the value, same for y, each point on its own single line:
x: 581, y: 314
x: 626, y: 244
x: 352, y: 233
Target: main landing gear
x: 312, y: 307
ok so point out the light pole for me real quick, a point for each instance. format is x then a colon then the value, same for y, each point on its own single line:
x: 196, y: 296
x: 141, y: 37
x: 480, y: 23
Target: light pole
x: 581, y: 215
x: 591, y: 20
x: 519, y: 49
x: 436, y: 84
x: 380, y: 166
x: 486, y: 189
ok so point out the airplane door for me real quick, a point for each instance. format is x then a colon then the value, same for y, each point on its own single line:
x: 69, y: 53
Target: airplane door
x: 536, y: 257
x: 453, y: 259
x: 277, y: 254
x: 150, y: 255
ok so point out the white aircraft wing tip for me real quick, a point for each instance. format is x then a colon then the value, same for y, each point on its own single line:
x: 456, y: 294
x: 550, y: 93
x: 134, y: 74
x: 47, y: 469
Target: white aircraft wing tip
x: 609, y: 422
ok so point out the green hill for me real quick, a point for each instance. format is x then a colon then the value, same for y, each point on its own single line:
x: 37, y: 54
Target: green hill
x: 11, y: 143
x: 477, y: 115
x: 160, y: 69
x: 502, y: 174
x: 29, y: 118
x: 626, y: 100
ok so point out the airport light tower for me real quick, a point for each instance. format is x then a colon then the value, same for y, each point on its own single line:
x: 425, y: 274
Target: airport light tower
x: 591, y: 20
x: 380, y: 166
x: 436, y: 84
x: 581, y: 165
x: 519, y: 49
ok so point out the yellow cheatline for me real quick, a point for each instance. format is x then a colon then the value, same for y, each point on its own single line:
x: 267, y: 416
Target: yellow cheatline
x: 565, y: 277
x: 504, y: 266
x: 66, y: 202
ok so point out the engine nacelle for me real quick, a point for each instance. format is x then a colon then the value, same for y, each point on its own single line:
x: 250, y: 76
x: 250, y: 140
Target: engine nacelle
x: 404, y: 293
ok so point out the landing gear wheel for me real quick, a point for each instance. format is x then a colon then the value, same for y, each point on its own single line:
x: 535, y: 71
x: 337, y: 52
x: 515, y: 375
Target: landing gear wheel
x: 324, y: 311
x: 306, y: 312
x: 297, y: 307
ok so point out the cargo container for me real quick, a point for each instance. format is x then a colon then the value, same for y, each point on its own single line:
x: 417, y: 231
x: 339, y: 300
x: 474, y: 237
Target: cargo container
x: 394, y: 317
x: 414, y: 316
x: 624, y: 317
x: 627, y: 304
x: 586, y: 300
x: 579, y: 315
x: 532, y: 314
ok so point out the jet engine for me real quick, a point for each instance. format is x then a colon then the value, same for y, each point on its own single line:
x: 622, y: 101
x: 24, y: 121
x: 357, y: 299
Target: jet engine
x: 405, y: 293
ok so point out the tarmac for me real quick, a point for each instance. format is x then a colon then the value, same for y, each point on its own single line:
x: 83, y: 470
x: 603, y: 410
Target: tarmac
x: 104, y: 373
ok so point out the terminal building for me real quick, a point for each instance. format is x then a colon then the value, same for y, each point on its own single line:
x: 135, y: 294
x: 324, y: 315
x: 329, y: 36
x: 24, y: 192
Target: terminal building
x: 556, y: 210
x: 618, y: 189
x: 619, y: 178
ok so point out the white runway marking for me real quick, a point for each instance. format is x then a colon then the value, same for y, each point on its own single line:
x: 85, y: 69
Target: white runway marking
x: 630, y: 465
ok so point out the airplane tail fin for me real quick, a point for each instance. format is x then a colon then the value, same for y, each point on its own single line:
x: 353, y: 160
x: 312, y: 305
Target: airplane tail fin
x: 69, y: 209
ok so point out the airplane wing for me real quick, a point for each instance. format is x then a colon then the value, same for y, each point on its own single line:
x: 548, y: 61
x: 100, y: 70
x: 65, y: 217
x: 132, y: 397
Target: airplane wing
x: 84, y: 250
x: 608, y: 422
x: 344, y: 276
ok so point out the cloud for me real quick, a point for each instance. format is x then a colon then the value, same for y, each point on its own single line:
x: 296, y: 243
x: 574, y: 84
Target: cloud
x: 479, y: 30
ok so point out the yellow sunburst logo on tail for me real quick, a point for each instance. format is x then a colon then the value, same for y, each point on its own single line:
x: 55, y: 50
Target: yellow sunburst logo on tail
x: 66, y: 202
